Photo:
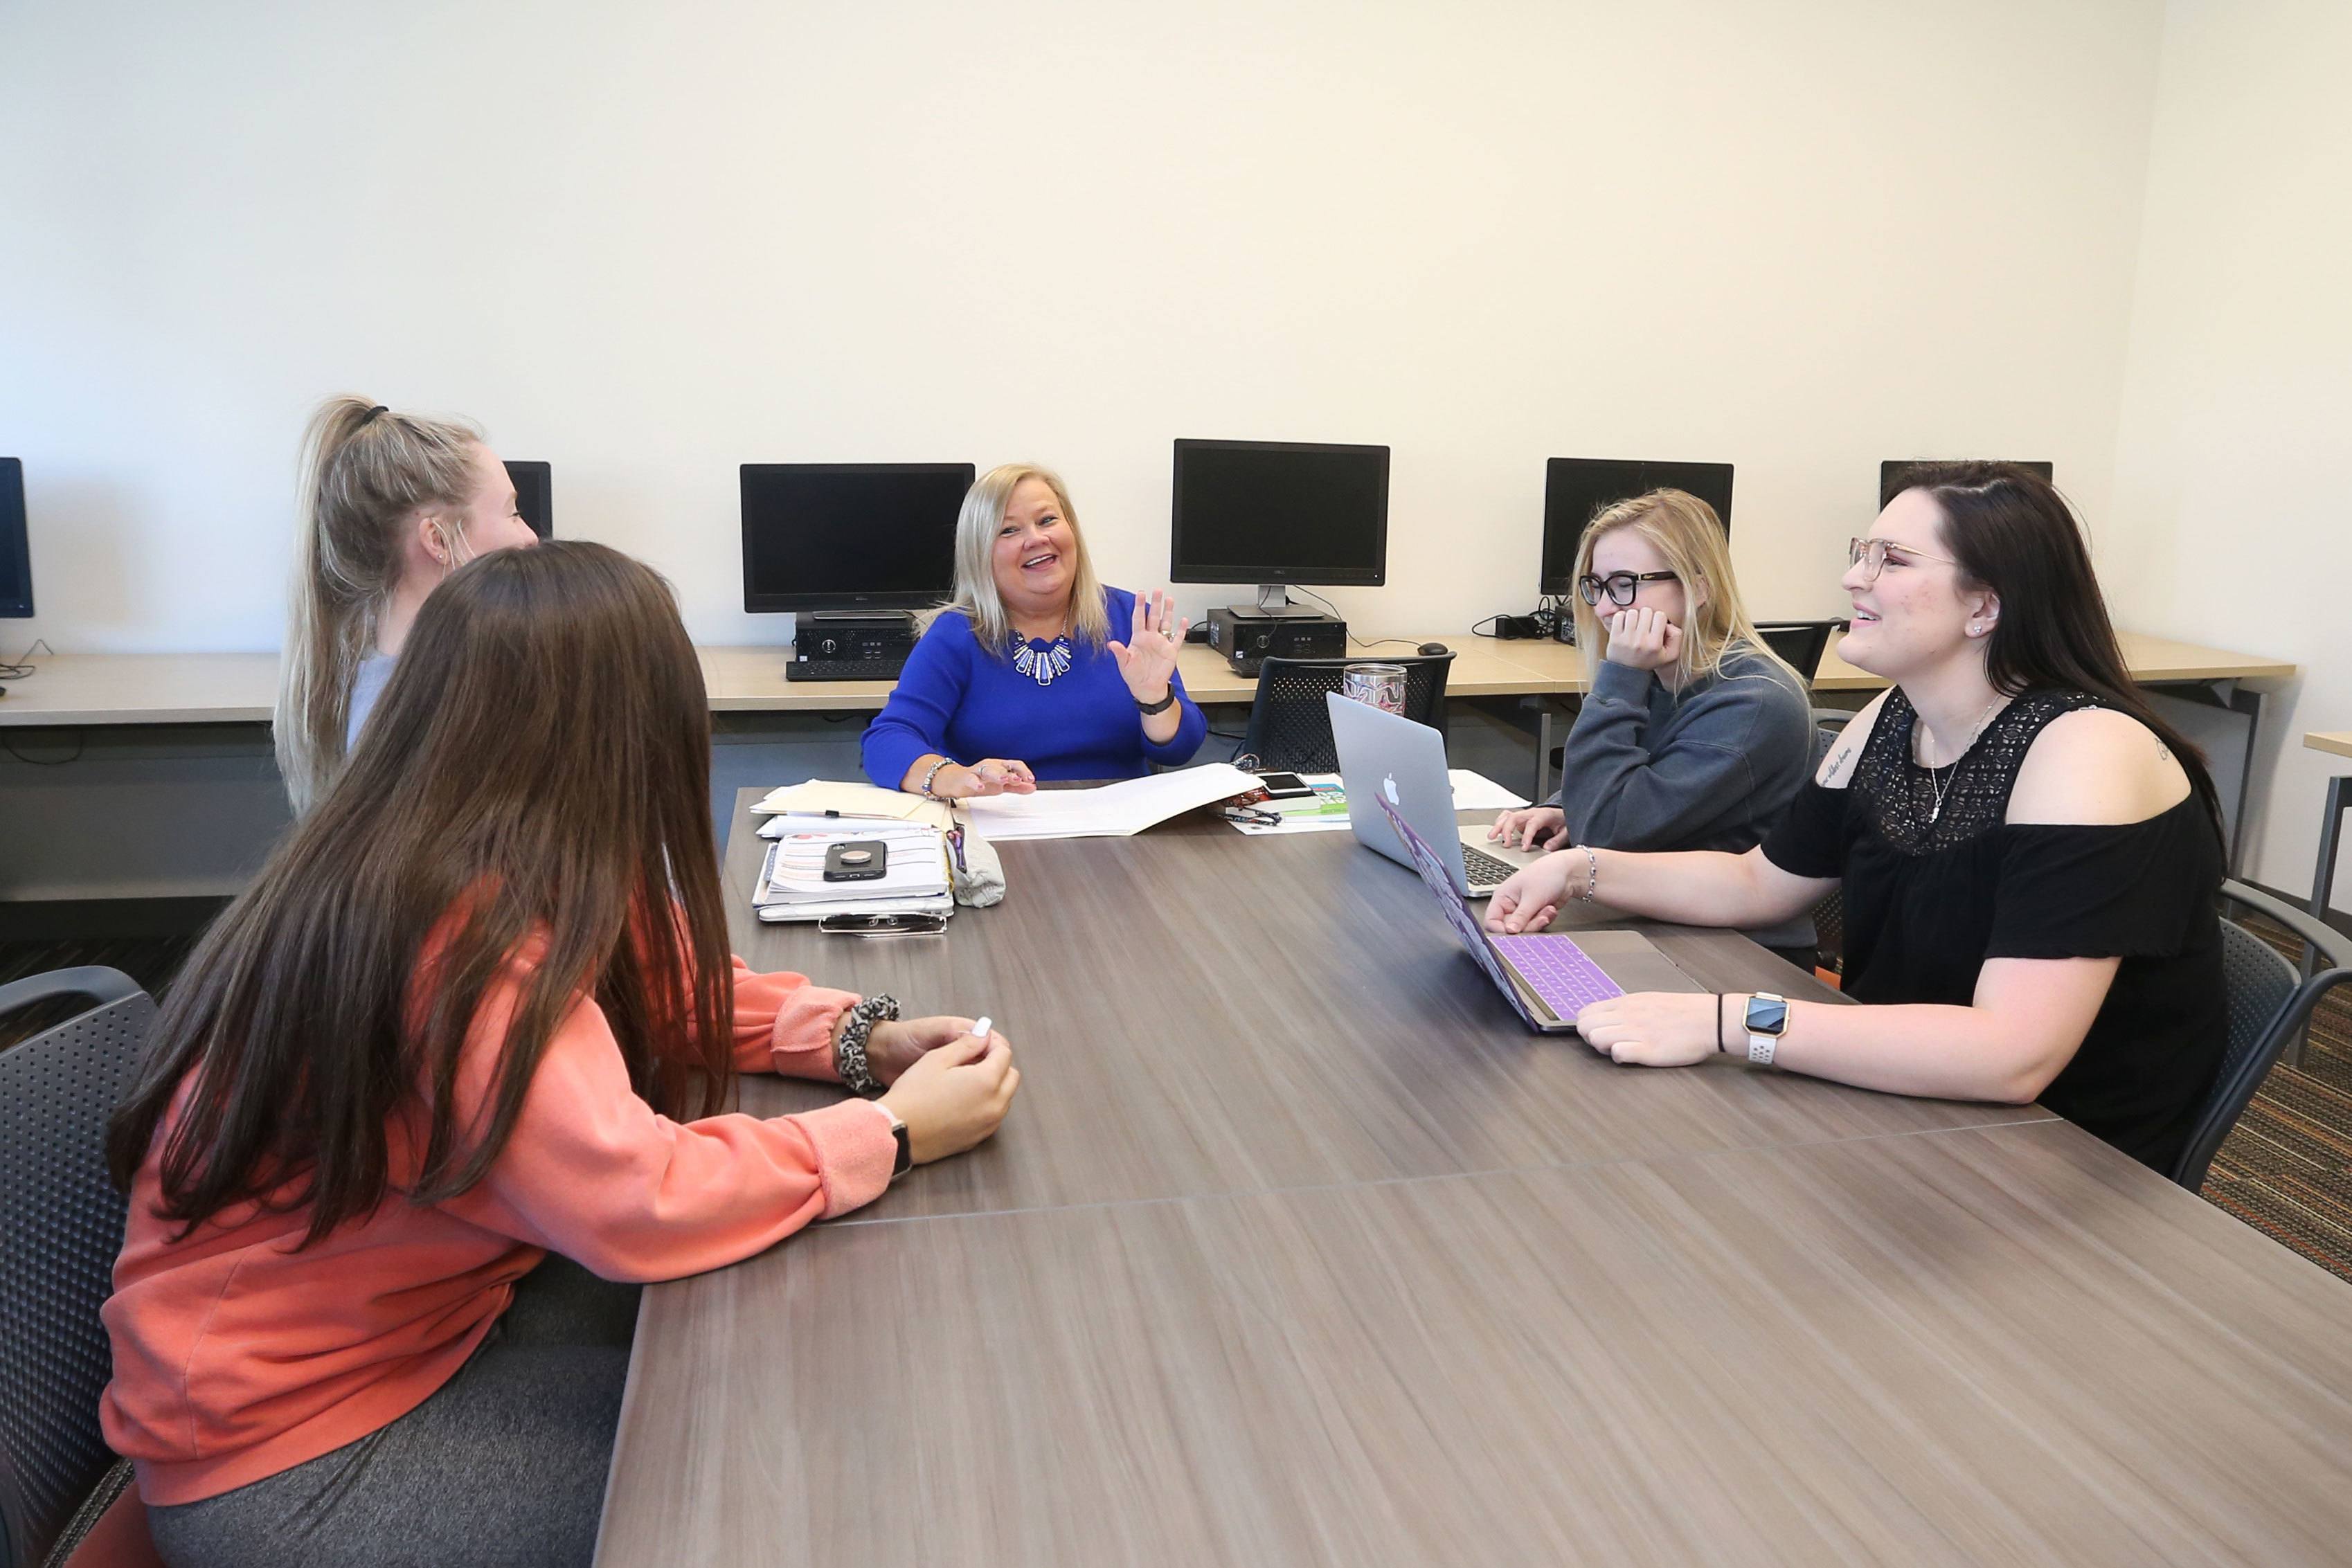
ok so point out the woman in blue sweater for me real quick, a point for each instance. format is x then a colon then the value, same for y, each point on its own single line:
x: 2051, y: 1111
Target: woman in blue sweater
x: 1019, y: 678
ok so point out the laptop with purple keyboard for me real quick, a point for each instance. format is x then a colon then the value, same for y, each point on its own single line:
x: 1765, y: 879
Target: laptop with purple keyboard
x: 1547, y: 978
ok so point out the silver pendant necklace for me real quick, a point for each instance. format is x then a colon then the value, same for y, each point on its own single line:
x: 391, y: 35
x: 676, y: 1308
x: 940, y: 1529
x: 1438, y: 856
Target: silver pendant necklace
x: 1936, y: 784
x: 1042, y: 665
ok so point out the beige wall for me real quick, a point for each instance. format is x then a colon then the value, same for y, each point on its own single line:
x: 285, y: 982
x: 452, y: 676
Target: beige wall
x: 648, y: 243
x: 2233, y: 473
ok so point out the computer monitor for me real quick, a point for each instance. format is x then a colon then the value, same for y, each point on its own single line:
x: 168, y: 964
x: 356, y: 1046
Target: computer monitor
x: 1577, y: 488
x: 534, y: 484
x: 1891, y: 471
x: 1279, y: 512
x: 16, y: 559
x: 850, y: 536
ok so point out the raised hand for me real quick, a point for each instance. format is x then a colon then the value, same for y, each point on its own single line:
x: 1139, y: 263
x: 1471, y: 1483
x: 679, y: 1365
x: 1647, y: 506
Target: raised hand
x: 1147, y: 660
x: 1641, y: 638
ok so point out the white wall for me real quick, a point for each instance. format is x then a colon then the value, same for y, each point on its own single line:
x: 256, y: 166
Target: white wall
x: 648, y: 243
x: 2235, y: 441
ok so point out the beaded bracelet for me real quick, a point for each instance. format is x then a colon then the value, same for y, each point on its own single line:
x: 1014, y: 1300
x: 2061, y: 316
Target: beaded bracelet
x: 849, y: 1051
x: 1591, y: 876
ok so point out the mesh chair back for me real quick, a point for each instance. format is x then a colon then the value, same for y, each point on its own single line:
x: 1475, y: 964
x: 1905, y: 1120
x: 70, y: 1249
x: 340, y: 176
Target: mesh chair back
x: 2255, y: 983
x: 2267, y: 1007
x: 1290, y: 728
x: 1801, y: 642
x: 64, y: 1228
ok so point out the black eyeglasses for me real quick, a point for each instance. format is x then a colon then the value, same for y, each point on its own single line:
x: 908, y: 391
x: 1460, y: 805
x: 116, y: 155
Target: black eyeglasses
x: 1619, y: 586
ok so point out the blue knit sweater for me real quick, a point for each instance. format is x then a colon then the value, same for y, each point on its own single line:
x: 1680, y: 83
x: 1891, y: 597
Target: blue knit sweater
x: 967, y: 705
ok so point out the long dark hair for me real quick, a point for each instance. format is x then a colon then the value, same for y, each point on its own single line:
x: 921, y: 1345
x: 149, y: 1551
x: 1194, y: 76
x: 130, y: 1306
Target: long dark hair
x: 534, y: 782
x: 2013, y: 534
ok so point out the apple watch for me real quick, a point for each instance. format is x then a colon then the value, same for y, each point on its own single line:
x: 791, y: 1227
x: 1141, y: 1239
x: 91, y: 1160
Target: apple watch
x: 1767, y: 1021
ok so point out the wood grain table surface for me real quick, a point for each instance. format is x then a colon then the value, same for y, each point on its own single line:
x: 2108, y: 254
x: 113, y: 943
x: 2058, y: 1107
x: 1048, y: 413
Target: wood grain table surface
x: 1298, y: 1248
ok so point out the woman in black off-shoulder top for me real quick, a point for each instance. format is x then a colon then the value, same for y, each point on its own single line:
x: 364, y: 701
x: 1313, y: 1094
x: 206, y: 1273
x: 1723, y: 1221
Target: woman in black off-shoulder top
x: 2030, y: 856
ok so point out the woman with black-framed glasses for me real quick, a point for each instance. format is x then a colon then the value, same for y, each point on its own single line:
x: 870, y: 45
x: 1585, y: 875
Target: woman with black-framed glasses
x: 2030, y: 855
x: 1692, y: 735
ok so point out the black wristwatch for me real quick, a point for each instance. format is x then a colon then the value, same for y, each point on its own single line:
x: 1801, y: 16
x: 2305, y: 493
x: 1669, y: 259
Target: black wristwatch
x: 904, y: 1161
x: 1163, y: 705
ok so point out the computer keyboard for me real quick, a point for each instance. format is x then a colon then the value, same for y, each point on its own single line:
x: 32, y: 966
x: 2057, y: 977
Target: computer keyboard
x: 1483, y: 870
x: 844, y: 669
x: 1559, y: 971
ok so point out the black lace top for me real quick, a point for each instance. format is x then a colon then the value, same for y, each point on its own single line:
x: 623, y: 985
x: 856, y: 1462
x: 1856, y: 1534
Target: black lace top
x: 1936, y: 882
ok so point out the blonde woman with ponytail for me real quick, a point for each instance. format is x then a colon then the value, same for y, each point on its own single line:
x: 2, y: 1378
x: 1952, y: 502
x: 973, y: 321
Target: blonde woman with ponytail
x: 1693, y: 735
x: 392, y: 503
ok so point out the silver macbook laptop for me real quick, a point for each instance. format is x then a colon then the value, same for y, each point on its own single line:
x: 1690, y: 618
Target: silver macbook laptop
x: 1384, y: 756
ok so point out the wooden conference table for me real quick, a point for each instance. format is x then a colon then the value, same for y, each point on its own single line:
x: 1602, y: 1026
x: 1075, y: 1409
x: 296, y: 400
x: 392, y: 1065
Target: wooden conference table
x: 1297, y: 1248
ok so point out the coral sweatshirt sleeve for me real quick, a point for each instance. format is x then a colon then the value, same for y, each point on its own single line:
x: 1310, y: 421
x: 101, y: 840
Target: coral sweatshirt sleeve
x: 595, y: 1173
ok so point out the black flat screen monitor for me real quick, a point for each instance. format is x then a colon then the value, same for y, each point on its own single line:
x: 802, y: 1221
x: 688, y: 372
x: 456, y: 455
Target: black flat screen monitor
x: 534, y: 486
x: 1891, y: 471
x: 1576, y: 488
x: 850, y: 536
x: 16, y: 559
x: 1275, y: 512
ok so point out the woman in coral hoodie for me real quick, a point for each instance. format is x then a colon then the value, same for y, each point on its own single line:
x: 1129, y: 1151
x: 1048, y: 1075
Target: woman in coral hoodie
x: 476, y: 1018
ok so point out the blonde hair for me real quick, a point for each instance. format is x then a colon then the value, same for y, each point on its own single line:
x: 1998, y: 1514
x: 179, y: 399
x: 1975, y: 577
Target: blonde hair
x: 1697, y: 548
x: 365, y: 471
x: 975, y: 568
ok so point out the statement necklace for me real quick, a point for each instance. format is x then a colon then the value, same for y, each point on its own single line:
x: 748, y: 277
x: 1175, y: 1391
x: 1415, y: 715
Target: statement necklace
x: 1042, y: 665
x: 1937, y: 784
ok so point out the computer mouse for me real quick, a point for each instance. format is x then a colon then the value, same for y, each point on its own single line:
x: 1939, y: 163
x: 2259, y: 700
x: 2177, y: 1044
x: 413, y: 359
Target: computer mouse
x: 1433, y: 649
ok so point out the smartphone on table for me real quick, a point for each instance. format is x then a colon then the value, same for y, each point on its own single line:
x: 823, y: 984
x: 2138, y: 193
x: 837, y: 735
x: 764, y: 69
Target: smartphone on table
x: 859, y: 859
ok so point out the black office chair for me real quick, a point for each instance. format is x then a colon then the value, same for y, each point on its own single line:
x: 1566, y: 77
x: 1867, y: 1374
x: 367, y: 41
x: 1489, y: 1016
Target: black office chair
x: 2269, y: 1015
x: 1801, y: 642
x: 1289, y: 727
x: 65, y: 1227
x: 1829, y: 914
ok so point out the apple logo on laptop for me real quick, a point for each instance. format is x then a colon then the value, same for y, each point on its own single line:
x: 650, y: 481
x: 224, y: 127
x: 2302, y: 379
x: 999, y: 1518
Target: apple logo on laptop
x: 1389, y: 784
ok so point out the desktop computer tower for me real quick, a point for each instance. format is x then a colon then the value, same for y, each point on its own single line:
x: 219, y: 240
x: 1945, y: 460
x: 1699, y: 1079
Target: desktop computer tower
x: 1247, y: 637
x: 850, y: 647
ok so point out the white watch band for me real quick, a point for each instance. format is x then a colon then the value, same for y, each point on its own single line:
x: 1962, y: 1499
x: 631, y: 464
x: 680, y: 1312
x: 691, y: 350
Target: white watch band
x: 1760, y: 1046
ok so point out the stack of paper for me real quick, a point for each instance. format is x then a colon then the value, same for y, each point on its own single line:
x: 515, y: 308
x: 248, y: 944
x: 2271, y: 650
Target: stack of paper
x: 822, y: 797
x: 792, y: 878
x: 1108, y: 810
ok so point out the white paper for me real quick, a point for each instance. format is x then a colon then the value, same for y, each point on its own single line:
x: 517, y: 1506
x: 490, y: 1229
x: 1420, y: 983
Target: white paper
x: 793, y: 872
x: 881, y: 827
x: 1107, y: 810
x: 795, y: 913
x: 1477, y: 792
x: 854, y: 799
